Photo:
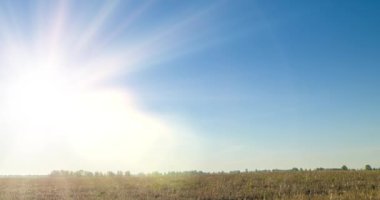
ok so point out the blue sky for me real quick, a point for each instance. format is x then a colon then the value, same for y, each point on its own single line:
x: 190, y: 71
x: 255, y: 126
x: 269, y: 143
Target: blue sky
x: 259, y: 84
x: 292, y: 76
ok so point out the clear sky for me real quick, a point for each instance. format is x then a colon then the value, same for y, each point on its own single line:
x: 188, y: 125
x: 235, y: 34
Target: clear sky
x: 181, y: 85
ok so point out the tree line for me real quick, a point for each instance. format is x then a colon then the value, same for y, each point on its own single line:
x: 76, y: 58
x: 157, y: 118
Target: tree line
x: 119, y: 173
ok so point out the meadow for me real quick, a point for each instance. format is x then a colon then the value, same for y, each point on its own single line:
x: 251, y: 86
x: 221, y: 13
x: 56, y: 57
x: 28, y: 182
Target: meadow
x: 326, y: 184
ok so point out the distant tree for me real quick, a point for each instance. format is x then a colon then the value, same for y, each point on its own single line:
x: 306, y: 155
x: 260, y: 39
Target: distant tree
x: 344, y: 167
x: 79, y: 173
x: 156, y: 173
x: 55, y: 173
x: 368, y: 167
x: 88, y: 173
x: 295, y: 169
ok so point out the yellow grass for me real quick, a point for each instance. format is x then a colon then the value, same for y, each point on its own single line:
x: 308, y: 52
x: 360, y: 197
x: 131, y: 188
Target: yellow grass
x: 354, y: 185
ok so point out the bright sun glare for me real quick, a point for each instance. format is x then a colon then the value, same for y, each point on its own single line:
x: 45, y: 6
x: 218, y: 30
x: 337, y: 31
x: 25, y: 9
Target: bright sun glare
x: 44, y: 104
x: 54, y: 101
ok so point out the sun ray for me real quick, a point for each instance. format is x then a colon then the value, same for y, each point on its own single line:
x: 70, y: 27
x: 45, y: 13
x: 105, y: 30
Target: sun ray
x: 92, y: 30
x: 55, y: 100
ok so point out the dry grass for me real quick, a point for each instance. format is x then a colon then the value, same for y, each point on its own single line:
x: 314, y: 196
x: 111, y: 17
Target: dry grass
x: 258, y: 185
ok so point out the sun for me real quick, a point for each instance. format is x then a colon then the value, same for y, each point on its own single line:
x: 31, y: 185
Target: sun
x: 48, y: 99
x: 58, y: 109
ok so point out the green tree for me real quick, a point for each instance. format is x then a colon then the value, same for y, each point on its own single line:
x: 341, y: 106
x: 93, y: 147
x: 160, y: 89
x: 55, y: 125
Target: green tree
x: 344, y: 167
x: 368, y: 167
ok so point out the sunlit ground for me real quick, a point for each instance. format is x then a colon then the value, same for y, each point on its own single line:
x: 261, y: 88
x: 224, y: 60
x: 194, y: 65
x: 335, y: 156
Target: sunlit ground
x: 289, y: 185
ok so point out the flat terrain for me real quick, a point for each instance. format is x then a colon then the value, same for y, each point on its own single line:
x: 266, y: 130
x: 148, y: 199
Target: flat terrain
x: 253, y: 185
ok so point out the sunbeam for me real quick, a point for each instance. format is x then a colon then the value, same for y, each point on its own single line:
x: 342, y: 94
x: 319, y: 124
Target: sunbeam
x: 55, y: 97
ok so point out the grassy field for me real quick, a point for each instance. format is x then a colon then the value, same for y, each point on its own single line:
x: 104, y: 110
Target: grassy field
x: 252, y: 185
